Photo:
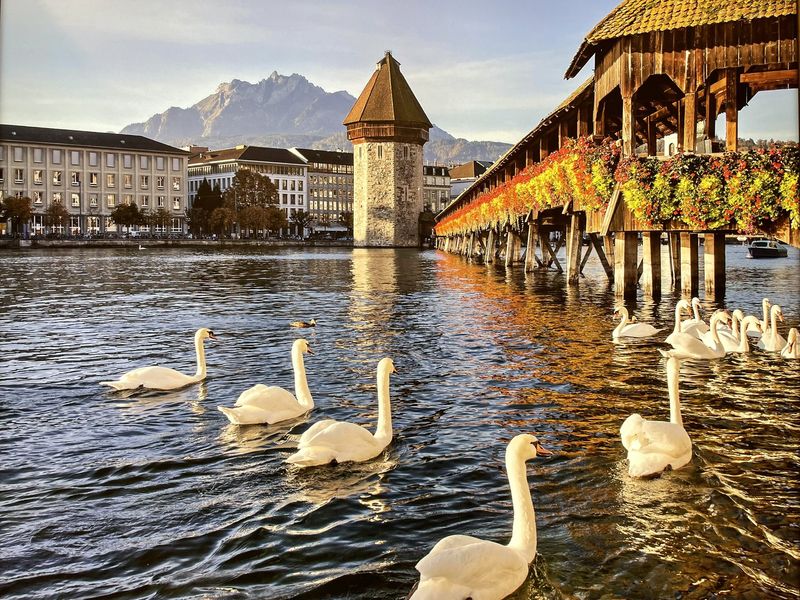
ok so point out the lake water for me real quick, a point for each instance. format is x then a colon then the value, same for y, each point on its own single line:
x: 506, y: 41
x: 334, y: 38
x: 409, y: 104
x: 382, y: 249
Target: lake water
x: 154, y: 495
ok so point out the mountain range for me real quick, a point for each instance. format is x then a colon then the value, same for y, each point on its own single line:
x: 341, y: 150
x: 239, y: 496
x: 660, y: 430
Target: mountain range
x: 284, y: 111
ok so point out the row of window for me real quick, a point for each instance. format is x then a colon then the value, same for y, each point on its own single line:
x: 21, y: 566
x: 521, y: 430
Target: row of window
x: 332, y: 194
x: 197, y: 170
x: 111, y: 200
x: 39, y: 175
x: 93, y: 225
x: 329, y: 168
x: 75, y: 158
x: 329, y: 180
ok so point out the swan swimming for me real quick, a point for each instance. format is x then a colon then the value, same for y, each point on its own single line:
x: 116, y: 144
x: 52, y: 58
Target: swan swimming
x: 680, y: 307
x: 686, y: 345
x: 771, y: 340
x: 695, y: 326
x: 272, y: 404
x: 163, y: 378
x: 656, y: 445
x: 340, y: 441
x: 739, y: 344
x: 792, y: 348
x: 462, y: 566
x: 631, y: 329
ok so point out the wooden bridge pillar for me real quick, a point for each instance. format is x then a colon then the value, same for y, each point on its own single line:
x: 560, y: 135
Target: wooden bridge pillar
x: 489, y: 258
x: 574, y: 239
x: 714, y: 264
x: 513, y: 244
x: 675, y: 258
x: 471, y: 244
x: 626, y: 268
x: 690, y: 267
x: 651, y: 259
x: 530, y: 252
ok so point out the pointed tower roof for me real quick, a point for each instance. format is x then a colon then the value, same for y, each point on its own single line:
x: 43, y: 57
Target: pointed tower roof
x: 387, y: 98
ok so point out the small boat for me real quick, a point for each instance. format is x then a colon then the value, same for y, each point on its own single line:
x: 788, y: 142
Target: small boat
x: 766, y: 249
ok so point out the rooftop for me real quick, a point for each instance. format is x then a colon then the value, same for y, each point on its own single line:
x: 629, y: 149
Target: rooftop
x: 249, y: 154
x: 387, y: 97
x: 325, y: 156
x: 633, y: 17
x: 84, y: 139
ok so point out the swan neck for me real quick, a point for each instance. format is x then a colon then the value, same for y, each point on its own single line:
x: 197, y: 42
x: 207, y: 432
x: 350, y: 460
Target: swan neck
x: 301, y: 391
x: 622, y: 322
x: 523, y: 536
x: 714, y: 324
x: 696, y: 311
x: 383, y: 432
x: 677, y: 327
x: 673, y: 373
x: 200, y: 351
x: 765, y: 320
x: 744, y: 344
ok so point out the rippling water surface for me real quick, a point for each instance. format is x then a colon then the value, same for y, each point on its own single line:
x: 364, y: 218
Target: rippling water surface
x: 155, y: 495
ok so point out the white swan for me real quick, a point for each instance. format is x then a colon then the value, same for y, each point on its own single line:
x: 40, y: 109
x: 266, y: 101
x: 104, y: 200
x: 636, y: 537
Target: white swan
x: 631, y: 329
x: 462, y: 566
x: 686, y: 345
x: 162, y: 378
x: 657, y: 445
x: 771, y: 340
x: 272, y: 404
x: 792, y: 348
x: 738, y: 344
x: 765, y: 306
x: 695, y: 326
x: 682, y: 305
x: 340, y: 441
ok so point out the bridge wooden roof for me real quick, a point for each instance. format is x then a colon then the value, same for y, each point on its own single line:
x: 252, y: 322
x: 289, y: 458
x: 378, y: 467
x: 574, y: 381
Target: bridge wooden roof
x: 387, y: 98
x: 633, y: 17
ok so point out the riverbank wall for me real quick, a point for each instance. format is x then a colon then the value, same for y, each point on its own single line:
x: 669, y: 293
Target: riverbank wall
x: 145, y: 243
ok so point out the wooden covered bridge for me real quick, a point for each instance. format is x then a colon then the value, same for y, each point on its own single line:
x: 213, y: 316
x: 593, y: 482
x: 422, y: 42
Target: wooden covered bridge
x: 634, y: 151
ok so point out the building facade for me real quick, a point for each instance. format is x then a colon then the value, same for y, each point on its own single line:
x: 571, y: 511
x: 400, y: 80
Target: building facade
x: 287, y: 171
x: 330, y: 187
x: 388, y: 129
x: 436, y: 188
x: 90, y: 174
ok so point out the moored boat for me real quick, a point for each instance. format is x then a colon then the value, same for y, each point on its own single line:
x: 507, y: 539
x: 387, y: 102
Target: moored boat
x: 767, y: 249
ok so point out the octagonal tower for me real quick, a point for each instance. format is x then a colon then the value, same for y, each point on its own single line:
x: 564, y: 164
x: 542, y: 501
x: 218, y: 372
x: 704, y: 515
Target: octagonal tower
x: 388, y: 129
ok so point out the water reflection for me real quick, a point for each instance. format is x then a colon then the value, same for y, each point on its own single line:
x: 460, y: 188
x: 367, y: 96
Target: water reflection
x: 483, y: 353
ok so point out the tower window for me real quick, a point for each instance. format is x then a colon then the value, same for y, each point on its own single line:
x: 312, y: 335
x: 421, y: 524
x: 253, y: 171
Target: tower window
x: 405, y: 152
x: 380, y: 152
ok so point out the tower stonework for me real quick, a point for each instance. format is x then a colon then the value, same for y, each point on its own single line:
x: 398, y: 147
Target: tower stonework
x: 388, y: 129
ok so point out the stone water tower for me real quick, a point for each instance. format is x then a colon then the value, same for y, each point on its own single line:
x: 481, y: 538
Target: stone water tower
x: 388, y: 129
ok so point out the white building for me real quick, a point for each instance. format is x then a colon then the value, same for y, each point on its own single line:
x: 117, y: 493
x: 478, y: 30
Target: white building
x: 287, y: 171
x: 90, y: 174
x: 435, y: 188
x: 330, y: 187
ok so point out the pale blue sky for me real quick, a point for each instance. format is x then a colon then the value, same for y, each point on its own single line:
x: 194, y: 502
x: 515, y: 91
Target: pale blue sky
x: 481, y: 70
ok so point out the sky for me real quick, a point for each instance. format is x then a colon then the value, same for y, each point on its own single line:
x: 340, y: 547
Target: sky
x: 483, y: 71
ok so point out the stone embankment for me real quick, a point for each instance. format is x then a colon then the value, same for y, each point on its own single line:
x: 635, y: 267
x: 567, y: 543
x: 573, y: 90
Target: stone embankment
x: 135, y: 243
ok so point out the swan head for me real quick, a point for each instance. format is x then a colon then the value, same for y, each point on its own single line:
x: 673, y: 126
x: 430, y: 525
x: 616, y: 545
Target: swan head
x: 696, y: 302
x: 312, y: 322
x: 621, y: 310
x: 526, y: 447
x: 302, y: 346
x: 204, y: 333
x: 738, y: 314
x: 386, y: 365
x: 683, y: 305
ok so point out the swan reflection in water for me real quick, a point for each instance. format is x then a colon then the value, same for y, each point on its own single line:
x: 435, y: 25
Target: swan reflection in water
x: 139, y: 401
x: 321, y: 485
x: 244, y: 439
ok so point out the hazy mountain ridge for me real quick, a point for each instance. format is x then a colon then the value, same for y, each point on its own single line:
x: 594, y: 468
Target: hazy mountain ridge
x: 284, y: 111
